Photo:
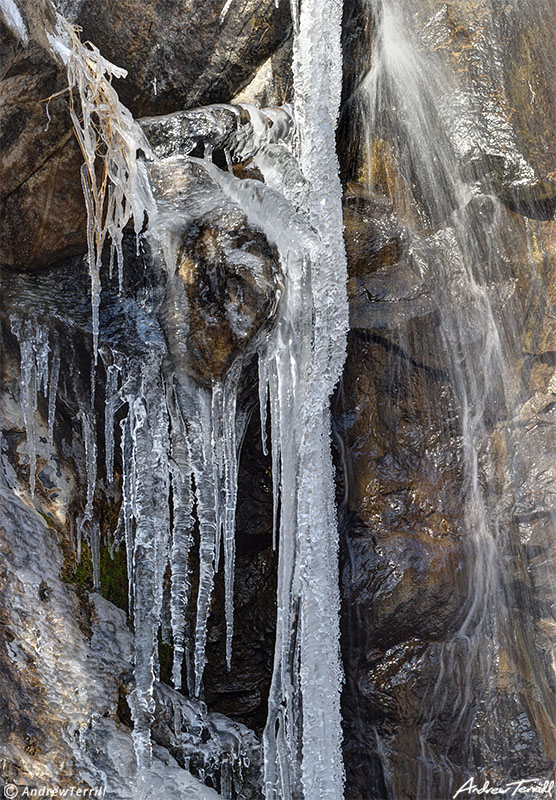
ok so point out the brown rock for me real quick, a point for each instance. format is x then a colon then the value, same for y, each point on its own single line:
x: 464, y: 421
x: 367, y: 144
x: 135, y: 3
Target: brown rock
x: 44, y: 219
x: 176, y: 57
x: 180, y: 55
x: 229, y: 275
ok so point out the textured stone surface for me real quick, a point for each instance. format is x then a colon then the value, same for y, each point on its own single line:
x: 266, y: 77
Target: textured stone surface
x: 181, y: 55
x: 405, y: 557
x: 64, y: 658
x: 177, y: 57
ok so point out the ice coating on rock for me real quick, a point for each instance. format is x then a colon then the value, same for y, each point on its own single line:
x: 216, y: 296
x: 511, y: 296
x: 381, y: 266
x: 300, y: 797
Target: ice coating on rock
x: 179, y: 441
x: 80, y: 674
x: 13, y: 19
x: 38, y: 373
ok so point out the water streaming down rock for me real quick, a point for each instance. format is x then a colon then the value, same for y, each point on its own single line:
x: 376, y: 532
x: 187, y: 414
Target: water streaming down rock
x: 441, y: 158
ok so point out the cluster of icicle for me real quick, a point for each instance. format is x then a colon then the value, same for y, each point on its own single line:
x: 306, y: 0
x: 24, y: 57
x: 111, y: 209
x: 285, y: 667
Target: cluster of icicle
x: 179, y: 443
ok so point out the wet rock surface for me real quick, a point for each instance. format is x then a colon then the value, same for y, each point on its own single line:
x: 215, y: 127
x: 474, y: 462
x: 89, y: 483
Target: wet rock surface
x: 400, y: 458
x: 177, y: 57
x: 182, y: 55
x: 187, y: 736
x: 60, y: 714
x: 405, y: 560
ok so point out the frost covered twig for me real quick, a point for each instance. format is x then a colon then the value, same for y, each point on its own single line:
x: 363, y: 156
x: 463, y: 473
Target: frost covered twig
x: 115, y: 183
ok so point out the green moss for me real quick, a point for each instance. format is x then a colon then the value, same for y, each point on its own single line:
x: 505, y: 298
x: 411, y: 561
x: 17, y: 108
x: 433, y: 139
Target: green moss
x: 113, y: 576
x: 83, y: 571
x: 48, y: 519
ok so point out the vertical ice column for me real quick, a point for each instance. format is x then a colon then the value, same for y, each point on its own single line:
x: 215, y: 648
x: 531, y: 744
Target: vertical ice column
x: 182, y: 539
x: 304, y: 707
x: 145, y: 448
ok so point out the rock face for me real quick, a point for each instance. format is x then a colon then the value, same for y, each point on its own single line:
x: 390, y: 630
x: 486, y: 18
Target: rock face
x: 177, y: 57
x: 407, y: 566
x: 77, y: 687
x: 229, y: 277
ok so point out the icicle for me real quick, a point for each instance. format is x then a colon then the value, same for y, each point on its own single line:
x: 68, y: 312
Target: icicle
x: 94, y: 542
x: 28, y: 384
x: 88, y: 427
x: 217, y: 456
x: 276, y: 449
x: 93, y: 259
x: 203, y: 464
x: 111, y: 401
x: 228, y: 478
x: 121, y: 190
x: 263, y: 401
x: 128, y: 481
x: 53, y: 390
x: 146, y: 460
x: 78, y: 539
x: 42, y: 350
x: 182, y: 540
x: 304, y: 362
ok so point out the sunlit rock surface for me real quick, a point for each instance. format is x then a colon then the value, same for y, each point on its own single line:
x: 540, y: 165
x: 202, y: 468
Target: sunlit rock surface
x: 66, y: 658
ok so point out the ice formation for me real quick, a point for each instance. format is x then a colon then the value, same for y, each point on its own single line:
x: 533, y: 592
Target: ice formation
x: 304, y: 368
x: 180, y: 441
x: 106, y: 132
x: 13, y: 19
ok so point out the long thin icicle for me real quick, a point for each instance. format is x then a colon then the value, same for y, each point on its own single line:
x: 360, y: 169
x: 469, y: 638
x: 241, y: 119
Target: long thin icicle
x: 28, y: 383
x: 228, y: 479
x: 182, y: 540
x: 146, y: 456
x: 202, y: 461
x: 110, y: 404
x: 53, y: 379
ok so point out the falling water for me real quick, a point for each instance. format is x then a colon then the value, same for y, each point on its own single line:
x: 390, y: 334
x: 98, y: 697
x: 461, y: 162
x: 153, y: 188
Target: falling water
x: 430, y: 146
